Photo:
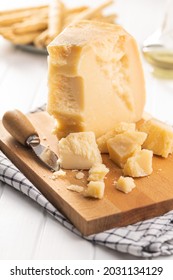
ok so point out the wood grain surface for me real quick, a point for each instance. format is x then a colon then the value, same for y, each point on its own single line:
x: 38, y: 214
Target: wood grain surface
x: 152, y: 196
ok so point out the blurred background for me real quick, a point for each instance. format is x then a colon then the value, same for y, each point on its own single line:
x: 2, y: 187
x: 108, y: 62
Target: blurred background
x: 23, y: 75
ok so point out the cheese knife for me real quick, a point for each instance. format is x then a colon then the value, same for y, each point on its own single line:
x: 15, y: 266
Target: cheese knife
x: 20, y: 127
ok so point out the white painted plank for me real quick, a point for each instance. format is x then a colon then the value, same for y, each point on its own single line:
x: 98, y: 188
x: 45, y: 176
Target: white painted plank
x: 4, y: 46
x: 2, y: 186
x: 57, y: 242
x: 40, y: 97
x: 20, y: 224
x: 20, y: 84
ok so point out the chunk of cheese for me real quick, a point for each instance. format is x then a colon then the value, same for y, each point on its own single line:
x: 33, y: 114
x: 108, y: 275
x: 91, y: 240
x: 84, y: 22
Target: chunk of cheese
x: 159, y: 137
x: 140, y: 164
x: 95, y: 189
x: 79, y: 151
x: 98, y: 172
x: 95, y: 78
x: 118, y: 129
x: 124, y: 145
x: 125, y: 184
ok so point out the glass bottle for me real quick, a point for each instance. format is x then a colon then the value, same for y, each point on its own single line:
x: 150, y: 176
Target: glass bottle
x: 158, y: 47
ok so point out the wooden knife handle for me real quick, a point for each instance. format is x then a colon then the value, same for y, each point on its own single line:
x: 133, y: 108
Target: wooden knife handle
x: 18, y: 125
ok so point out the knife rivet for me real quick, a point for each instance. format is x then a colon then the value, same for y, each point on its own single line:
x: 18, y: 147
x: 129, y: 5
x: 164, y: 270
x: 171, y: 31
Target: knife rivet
x: 33, y: 139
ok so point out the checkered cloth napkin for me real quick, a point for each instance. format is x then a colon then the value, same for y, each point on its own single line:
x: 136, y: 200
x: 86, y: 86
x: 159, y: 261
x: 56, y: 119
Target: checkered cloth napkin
x: 146, y: 239
x: 149, y: 238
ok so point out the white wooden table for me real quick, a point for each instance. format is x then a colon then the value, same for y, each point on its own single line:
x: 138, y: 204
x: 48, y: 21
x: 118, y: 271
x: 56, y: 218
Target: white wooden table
x: 26, y: 230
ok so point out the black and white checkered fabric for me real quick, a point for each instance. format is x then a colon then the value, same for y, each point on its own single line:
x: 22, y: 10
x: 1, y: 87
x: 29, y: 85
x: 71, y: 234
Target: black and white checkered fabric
x: 146, y: 239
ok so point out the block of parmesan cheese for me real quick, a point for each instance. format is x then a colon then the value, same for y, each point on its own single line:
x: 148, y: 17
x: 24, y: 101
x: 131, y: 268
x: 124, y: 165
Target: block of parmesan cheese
x: 159, y: 137
x: 79, y: 151
x: 95, y: 78
x: 124, y: 145
x: 140, y: 164
x: 118, y: 129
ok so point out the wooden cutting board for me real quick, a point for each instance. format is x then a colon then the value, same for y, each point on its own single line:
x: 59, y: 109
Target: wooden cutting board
x: 152, y: 196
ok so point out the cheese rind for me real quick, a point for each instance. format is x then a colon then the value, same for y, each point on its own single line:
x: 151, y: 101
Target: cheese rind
x: 139, y: 165
x: 79, y: 151
x: 159, y: 137
x: 95, y: 78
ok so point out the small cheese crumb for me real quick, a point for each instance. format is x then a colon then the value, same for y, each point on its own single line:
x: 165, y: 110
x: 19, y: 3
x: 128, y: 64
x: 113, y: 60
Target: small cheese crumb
x: 95, y: 189
x: 114, y: 182
x: 59, y: 173
x: 125, y: 184
x: 97, y: 172
x: 80, y: 175
x: 75, y: 188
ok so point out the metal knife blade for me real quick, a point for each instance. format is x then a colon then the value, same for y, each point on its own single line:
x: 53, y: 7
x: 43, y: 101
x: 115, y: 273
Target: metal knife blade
x: 19, y: 126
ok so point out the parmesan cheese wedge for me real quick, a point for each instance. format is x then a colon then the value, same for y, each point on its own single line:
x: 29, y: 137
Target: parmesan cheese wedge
x: 95, y: 78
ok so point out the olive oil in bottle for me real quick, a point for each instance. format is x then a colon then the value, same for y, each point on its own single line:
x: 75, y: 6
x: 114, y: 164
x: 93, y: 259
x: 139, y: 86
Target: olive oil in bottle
x: 158, y: 47
x: 161, y: 60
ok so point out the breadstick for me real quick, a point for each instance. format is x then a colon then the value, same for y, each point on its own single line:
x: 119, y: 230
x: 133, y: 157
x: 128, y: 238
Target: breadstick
x: 74, y: 14
x: 76, y: 10
x: 6, y: 20
x: 88, y: 14
x: 70, y: 17
x: 13, y: 11
x: 40, y: 25
x: 55, y: 18
x: 4, y: 30
x: 30, y: 26
x: 108, y: 18
x: 20, y: 39
x: 42, y: 40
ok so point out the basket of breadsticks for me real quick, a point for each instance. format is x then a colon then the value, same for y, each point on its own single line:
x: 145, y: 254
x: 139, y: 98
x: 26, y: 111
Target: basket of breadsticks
x: 37, y: 26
